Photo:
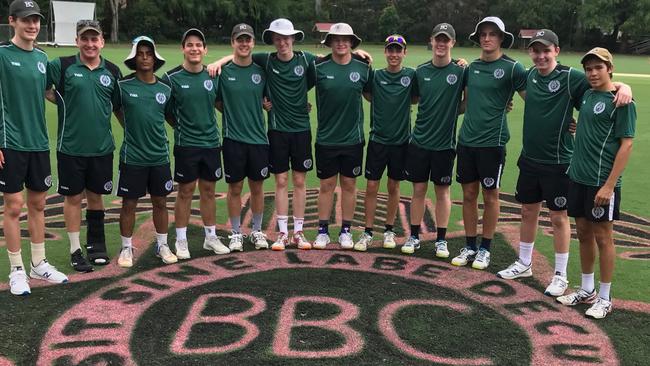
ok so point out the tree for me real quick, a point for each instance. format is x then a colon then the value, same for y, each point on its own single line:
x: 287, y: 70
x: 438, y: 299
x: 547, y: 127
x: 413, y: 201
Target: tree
x: 614, y: 16
x: 389, y: 22
x: 116, y: 5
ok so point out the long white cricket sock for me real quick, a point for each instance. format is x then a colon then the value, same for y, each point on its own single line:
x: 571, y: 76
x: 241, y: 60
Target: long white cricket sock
x: 526, y: 253
x: 588, y: 282
x: 561, y: 261
x: 74, y: 241
x: 283, y: 222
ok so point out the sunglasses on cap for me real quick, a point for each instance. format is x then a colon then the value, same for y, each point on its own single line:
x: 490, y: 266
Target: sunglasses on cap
x: 396, y: 39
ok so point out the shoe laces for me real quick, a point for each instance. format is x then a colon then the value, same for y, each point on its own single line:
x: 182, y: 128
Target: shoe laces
x: 18, y: 275
x: 558, y: 281
x: 441, y: 245
x: 300, y: 235
x: 389, y: 235
x: 482, y: 254
x: 411, y: 242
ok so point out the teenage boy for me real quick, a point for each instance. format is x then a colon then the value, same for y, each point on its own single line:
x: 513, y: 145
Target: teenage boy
x: 24, y: 145
x: 197, y: 149
x: 432, y: 147
x: 85, y: 92
x: 603, y: 145
x: 340, y: 80
x: 144, y: 156
x: 390, y: 125
x: 552, y: 91
x: 490, y: 83
x: 245, y: 144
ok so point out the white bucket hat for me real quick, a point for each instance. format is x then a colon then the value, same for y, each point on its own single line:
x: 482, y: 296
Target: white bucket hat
x: 508, y: 38
x: 129, y: 61
x: 281, y: 26
x: 342, y: 29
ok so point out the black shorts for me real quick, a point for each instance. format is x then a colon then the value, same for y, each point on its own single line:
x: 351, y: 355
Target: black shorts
x: 294, y: 147
x: 484, y: 164
x: 76, y: 173
x: 423, y: 165
x: 242, y: 160
x: 379, y: 156
x: 192, y: 163
x: 136, y: 181
x: 581, y: 203
x: 542, y: 182
x: 31, y: 168
x: 344, y: 160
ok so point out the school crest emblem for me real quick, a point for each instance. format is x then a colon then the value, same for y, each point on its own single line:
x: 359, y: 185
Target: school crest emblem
x: 488, y: 182
x: 208, y: 85
x: 560, y: 201
x: 498, y: 73
x: 354, y: 76
x: 41, y: 67
x: 597, y: 212
x: 553, y: 86
x: 299, y: 70
x: 169, y: 185
x: 161, y: 98
x: 105, y: 80
x: 405, y: 81
x: 452, y: 79
x: 257, y: 78
x: 599, y: 108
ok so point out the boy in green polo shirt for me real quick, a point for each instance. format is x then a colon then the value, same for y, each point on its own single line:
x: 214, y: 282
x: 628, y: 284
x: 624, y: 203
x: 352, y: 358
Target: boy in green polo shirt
x: 85, y: 92
x: 390, y: 125
x: 490, y: 83
x: 340, y: 80
x: 197, y: 148
x: 24, y: 146
x: 144, y: 156
x: 245, y: 145
x: 603, y: 145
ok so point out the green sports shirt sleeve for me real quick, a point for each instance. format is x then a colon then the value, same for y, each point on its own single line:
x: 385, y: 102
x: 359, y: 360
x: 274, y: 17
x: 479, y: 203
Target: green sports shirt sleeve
x: 390, y: 106
x: 490, y: 87
x: 23, y: 80
x: 192, y: 105
x: 600, y: 128
x: 339, y: 91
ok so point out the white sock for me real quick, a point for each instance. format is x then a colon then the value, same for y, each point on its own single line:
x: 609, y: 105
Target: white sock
x: 38, y: 253
x: 588, y: 282
x: 161, y: 239
x: 297, y: 223
x: 526, y: 253
x: 15, y: 259
x: 561, y: 260
x: 604, y: 290
x: 126, y: 242
x: 74, y: 242
x: 283, y: 222
x: 210, y: 230
x: 181, y: 233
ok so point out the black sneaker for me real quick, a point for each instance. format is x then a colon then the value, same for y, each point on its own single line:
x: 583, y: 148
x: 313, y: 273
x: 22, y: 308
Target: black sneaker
x: 79, y: 263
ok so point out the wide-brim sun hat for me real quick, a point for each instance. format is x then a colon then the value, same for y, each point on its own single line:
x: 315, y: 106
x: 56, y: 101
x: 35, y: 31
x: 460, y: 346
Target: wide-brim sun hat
x: 283, y: 27
x: 342, y: 29
x: 129, y: 61
x: 508, y: 38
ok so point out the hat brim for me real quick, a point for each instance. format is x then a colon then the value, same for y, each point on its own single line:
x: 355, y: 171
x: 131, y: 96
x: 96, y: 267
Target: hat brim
x: 356, y: 41
x: 29, y: 13
x: 267, y: 35
x: 130, y: 59
x: 89, y: 28
x: 395, y: 44
x: 508, y: 38
x: 545, y: 42
x: 434, y: 35
x: 237, y: 35
x: 594, y: 55
x: 193, y: 32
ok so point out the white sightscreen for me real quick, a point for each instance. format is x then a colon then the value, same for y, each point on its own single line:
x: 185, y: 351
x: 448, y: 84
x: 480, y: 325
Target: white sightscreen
x: 66, y: 15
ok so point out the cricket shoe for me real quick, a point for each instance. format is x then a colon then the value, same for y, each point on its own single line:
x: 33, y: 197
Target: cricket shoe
x: 557, y: 287
x: 212, y: 242
x: 236, y: 242
x: 19, y: 282
x: 125, y: 260
x: 345, y: 239
x: 79, y: 263
x: 164, y: 253
x: 259, y: 240
x: 599, y: 309
x: 579, y: 297
x: 281, y: 242
x: 321, y: 241
x: 466, y: 255
x: 411, y: 245
x: 47, y: 272
x: 389, y: 239
x: 482, y: 260
x: 300, y: 241
x: 182, y: 250
x: 516, y: 270
x: 441, y: 249
x: 363, y: 243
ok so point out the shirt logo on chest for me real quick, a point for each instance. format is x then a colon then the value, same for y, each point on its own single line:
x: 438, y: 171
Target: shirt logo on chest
x: 599, y: 108
x: 41, y: 67
x: 257, y: 78
x: 498, y: 73
x: 354, y: 76
x: 161, y: 98
x: 553, y: 86
x: 299, y: 70
x: 105, y: 80
x: 76, y: 74
x: 452, y: 79
x: 405, y: 81
x: 14, y: 63
x: 208, y: 85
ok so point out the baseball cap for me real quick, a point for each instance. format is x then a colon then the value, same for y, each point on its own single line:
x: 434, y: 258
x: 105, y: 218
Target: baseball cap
x: 129, y: 61
x: 444, y: 28
x: 23, y: 9
x: 284, y: 27
x: 193, y: 32
x: 546, y: 37
x: 85, y: 25
x: 395, y: 39
x: 508, y: 38
x: 341, y: 29
x: 240, y: 29
x: 599, y: 52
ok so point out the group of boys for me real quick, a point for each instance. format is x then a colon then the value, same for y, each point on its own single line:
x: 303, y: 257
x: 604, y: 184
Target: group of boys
x: 87, y: 89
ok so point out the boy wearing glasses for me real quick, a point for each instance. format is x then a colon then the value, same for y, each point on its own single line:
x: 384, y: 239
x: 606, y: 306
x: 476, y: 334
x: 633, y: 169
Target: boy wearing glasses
x: 85, y: 91
x: 390, y: 95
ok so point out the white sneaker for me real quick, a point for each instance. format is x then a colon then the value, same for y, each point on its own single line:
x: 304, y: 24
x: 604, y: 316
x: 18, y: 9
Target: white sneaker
x: 125, y: 259
x: 281, y: 242
x: 441, y: 249
x: 466, y: 255
x: 259, y: 239
x: 389, y: 239
x: 557, y: 286
x: 236, y: 242
x: 19, y: 282
x: 482, y: 260
x: 163, y: 251
x: 212, y: 242
x: 346, y: 241
x: 599, y: 309
x: 579, y: 297
x: 516, y: 270
x: 182, y: 250
x: 47, y: 272
x: 411, y: 245
x: 300, y: 240
x: 321, y: 241
x: 364, y: 241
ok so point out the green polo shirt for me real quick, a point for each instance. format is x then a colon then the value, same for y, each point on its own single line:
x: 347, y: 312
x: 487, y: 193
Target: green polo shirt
x: 390, y: 106
x: 85, y: 100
